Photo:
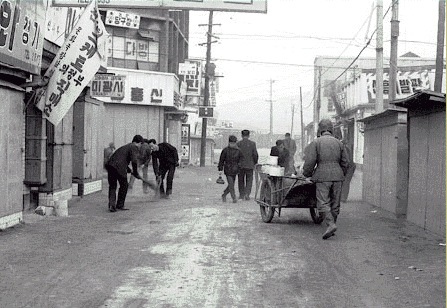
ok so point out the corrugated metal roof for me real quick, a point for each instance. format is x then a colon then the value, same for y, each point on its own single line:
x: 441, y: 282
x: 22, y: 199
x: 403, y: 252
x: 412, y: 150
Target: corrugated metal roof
x: 7, y: 84
x: 422, y: 99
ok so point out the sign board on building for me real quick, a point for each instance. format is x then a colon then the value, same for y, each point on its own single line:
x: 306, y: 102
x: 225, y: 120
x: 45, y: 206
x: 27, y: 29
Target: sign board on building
x: 75, y: 64
x: 253, y: 6
x: 59, y: 22
x: 108, y: 85
x: 206, y: 112
x: 122, y: 19
x: 146, y: 88
x: 22, y: 32
x: 190, y: 73
x: 185, y: 143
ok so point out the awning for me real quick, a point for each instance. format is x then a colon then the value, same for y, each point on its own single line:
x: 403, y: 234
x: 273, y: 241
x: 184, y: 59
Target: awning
x: 146, y: 34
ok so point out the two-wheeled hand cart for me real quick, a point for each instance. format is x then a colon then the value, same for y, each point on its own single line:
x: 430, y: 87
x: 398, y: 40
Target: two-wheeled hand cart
x: 274, y: 193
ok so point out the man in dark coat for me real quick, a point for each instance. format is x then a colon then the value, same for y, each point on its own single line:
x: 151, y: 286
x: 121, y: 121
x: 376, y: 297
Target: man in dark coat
x: 117, y: 169
x: 326, y: 161
x: 282, y: 153
x: 290, y: 145
x: 245, y: 176
x: 164, y: 160
x: 230, y: 162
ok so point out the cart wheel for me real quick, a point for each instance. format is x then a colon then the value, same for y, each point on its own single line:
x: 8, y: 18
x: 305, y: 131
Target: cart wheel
x: 267, y: 212
x: 316, y: 217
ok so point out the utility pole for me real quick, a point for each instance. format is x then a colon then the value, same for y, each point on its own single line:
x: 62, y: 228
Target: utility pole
x: 206, y: 94
x: 440, y: 47
x: 293, y: 116
x: 317, y: 104
x: 393, y: 52
x: 271, y: 110
x: 302, y: 124
x: 379, y: 58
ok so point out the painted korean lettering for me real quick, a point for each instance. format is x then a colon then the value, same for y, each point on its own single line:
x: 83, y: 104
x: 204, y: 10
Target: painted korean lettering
x: 79, y: 63
x: 136, y: 94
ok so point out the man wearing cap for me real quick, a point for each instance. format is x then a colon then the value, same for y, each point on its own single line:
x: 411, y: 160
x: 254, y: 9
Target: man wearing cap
x: 326, y: 162
x: 245, y: 176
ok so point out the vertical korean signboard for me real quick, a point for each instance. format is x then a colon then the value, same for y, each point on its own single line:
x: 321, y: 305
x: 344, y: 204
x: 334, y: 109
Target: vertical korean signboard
x: 185, y: 143
x: 77, y: 61
x: 21, y: 34
x: 190, y: 73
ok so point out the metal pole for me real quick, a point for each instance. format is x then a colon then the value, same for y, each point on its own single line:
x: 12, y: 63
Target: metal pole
x: 206, y: 94
x: 271, y: 110
x: 393, y: 52
x: 293, y: 116
x: 302, y: 123
x: 379, y: 58
x: 440, y: 47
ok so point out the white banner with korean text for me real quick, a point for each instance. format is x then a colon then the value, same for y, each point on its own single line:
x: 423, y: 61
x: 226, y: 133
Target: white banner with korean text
x: 75, y: 64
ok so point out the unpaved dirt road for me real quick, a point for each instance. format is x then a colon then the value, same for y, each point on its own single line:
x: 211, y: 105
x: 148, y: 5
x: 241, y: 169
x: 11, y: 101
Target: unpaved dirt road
x: 195, y: 251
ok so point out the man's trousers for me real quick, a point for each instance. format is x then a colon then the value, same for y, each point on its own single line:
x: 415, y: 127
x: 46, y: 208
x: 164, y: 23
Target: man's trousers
x: 328, y: 200
x: 114, y: 178
x: 230, y: 187
x: 170, y: 170
x: 245, y: 182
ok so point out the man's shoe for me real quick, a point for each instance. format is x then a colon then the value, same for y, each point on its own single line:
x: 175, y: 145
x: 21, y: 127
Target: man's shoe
x: 112, y: 209
x: 241, y: 197
x: 330, y: 231
x: 224, y: 198
x: 247, y: 198
x: 122, y: 208
x: 167, y: 197
x: 234, y: 200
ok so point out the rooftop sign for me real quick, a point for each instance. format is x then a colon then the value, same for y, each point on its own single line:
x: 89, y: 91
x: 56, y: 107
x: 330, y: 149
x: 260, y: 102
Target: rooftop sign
x: 248, y: 6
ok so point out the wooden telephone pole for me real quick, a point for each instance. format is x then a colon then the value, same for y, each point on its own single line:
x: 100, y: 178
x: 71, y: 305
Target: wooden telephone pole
x: 206, y: 96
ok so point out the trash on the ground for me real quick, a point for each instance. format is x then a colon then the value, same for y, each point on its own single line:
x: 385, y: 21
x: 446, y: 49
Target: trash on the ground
x: 441, y: 244
x: 374, y: 211
x: 397, y: 278
x: 413, y: 267
x: 419, y: 269
x: 69, y: 242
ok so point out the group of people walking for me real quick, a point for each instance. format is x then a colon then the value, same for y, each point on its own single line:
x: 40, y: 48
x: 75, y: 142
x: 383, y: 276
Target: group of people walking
x: 139, y: 153
x: 328, y: 162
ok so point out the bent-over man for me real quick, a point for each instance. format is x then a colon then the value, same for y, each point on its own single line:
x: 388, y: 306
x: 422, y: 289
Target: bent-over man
x: 117, y: 169
x: 164, y: 160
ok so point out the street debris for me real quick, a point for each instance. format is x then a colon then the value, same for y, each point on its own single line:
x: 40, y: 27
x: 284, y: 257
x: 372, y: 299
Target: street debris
x: 415, y: 268
x: 397, y: 278
x: 374, y: 211
x: 441, y: 244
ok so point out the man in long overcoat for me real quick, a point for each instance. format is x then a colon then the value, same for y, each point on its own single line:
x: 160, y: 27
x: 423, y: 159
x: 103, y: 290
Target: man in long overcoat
x: 326, y: 162
x: 245, y: 176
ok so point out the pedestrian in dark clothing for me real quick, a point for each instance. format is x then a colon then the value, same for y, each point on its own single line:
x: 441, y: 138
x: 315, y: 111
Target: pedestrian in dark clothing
x: 282, y: 153
x: 144, y: 158
x: 245, y: 176
x: 117, y: 169
x: 326, y: 162
x: 164, y: 160
x: 230, y: 162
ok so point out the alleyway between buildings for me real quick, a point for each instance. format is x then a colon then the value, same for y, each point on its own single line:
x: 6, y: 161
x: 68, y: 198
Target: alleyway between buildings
x: 195, y: 251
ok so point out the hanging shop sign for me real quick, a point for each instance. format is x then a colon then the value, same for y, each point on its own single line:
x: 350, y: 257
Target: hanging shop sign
x: 185, y: 143
x: 122, y: 19
x: 146, y: 88
x: 252, y: 6
x: 190, y: 72
x: 75, y: 64
x: 206, y: 112
x: 59, y: 22
x: 107, y: 85
x: 22, y: 31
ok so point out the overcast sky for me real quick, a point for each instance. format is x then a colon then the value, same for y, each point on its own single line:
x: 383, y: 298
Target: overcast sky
x: 294, y: 32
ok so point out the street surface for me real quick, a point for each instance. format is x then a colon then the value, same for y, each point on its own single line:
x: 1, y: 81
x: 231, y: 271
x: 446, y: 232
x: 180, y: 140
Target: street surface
x: 195, y: 251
